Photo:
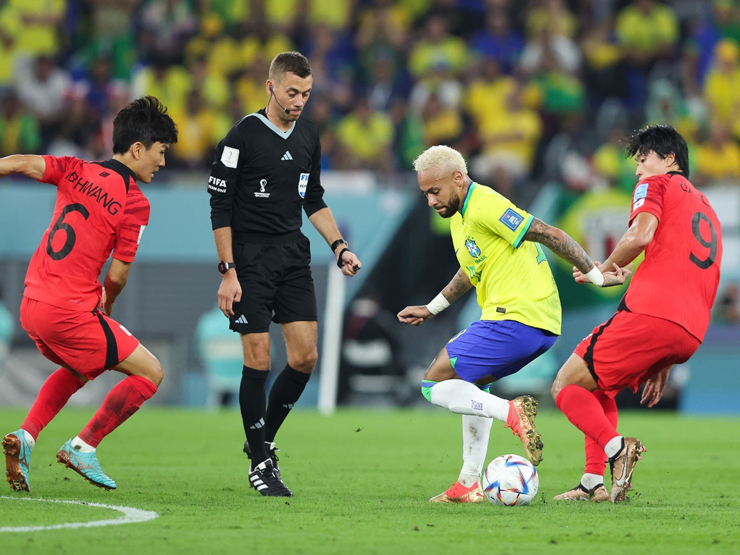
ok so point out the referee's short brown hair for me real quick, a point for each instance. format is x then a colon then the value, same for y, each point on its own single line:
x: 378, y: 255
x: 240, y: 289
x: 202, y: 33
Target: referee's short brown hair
x: 289, y: 62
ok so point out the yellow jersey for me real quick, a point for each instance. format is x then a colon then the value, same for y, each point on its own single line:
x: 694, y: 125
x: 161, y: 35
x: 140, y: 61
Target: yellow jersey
x: 511, y: 276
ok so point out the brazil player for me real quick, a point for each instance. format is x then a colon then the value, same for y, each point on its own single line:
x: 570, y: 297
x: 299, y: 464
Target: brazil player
x: 498, y: 248
x: 662, y: 318
x: 99, y: 208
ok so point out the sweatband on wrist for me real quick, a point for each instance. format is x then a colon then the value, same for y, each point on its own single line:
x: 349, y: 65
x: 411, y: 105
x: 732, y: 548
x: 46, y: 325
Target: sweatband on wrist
x: 596, y: 277
x: 438, y: 304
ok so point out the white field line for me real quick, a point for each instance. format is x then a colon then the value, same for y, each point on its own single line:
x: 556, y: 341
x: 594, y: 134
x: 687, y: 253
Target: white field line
x: 129, y: 515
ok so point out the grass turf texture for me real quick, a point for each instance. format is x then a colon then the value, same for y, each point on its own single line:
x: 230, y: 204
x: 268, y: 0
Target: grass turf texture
x: 362, y: 480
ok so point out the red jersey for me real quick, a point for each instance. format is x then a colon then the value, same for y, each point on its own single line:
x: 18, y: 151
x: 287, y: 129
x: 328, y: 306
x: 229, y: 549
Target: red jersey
x: 679, y: 277
x: 99, y: 209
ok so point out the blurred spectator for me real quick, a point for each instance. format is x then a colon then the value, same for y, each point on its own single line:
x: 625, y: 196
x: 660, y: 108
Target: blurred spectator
x: 553, y: 15
x: 720, y: 22
x: 437, y: 48
x: 509, y: 141
x: 666, y: 105
x: 604, y: 74
x: 382, y: 34
x: 610, y: 162
x: 10, y: 27
x: 40, y: 22
x: 211, y: 42
x: 727, y: 305
x: 260, y: 41
x: 166, y: 26
x: 561, y: 49
x: 214, y: 87
x: 386, y: 87
x: 43, y: 90
x: 19, y: 130
x: 220, y: 351
x: 366, y: 137
x: 719, y: 157
x: 250, y: 88
x: 96, y: 88
x: 119, y: 96
x: 722, y: 87
x: 562, y: 96
x: 197, y: 125
x: 77, y: 129
x: 442, y: 124
x: 335, y: 14
x: 230, y: 12
x: 169, y: 83
x: 488, y: 92
x: 498, y: 40
x: 647, y: 31
x: 442, y: 82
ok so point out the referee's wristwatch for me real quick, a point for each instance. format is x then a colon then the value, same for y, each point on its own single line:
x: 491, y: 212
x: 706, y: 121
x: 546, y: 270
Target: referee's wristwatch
x: 224, y: 267
x: 338, y: 242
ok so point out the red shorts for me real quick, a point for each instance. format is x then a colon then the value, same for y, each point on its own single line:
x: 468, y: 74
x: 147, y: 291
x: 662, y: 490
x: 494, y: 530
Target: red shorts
x: 628, y: 349
x: 87, y: 342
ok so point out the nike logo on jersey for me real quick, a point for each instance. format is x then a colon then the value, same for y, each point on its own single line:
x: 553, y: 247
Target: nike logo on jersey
x: 241, y: 320
x: 287, y: 156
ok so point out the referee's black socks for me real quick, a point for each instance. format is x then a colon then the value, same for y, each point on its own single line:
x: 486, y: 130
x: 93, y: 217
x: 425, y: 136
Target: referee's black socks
x: 284, y: 394
x: 252, y: 401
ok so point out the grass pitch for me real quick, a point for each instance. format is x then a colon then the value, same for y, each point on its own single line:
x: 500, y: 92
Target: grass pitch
x: 362, y: 480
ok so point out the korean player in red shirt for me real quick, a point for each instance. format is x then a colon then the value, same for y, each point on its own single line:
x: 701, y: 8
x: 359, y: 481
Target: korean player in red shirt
x: 99, y: 209
x: 662, y: 318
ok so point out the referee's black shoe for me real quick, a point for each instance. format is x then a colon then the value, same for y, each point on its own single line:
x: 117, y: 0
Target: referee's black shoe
x: 266, y: 480
x: 271, y: 454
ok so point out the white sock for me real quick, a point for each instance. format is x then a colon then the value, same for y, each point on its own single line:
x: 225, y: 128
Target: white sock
x: 463, y: 397
x: 29, y: 439
x: 614, y: 446
x: 590, y: 481
x: 476, y: 430
x: 81, y: 446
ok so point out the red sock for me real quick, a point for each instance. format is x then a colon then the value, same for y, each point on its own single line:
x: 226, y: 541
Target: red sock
x: 586, y: 413
x: 595, y: 456
x: 54, y: 394
x: 121, y: 402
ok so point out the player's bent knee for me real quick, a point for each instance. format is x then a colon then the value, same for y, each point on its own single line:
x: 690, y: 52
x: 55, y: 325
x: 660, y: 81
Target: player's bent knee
x: 306, y: 363
x: 156, y: 375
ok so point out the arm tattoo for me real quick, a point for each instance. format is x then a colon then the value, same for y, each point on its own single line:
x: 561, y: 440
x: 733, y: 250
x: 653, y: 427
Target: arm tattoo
x: 458, y: 286
x: 560, y: 243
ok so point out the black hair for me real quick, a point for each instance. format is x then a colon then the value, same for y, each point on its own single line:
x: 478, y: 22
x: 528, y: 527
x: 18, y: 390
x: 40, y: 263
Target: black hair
x: 290, y: 62
x: 661, y: 139
x: 145, y: 120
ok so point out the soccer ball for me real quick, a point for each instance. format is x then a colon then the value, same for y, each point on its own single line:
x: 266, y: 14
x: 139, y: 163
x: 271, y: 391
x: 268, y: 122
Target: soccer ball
x: 510, y: 480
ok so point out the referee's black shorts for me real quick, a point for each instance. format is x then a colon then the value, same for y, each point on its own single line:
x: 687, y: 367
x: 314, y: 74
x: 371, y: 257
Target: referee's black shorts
x: 277, y: 285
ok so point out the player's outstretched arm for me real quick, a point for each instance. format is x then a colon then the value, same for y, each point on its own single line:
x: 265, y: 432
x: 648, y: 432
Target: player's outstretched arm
x: 416, y: 315
x: 114, y: 282
x: 30, y: 165
x: 560, y: 243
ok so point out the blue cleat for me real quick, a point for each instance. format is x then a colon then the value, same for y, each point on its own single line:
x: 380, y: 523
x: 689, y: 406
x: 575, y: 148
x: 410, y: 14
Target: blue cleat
x: 86, y: 465
x: 17, y: 458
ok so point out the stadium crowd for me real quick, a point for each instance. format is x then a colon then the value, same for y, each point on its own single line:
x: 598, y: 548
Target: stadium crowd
x: 530, y: 89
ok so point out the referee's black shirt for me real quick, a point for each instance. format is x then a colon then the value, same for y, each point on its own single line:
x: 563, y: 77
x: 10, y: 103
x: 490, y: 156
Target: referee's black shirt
x: 261, y: 177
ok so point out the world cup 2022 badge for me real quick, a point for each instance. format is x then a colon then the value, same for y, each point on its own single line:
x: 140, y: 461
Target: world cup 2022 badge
x: 303, y: 185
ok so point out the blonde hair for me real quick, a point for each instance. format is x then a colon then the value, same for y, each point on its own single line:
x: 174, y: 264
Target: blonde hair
x: 443, y: 157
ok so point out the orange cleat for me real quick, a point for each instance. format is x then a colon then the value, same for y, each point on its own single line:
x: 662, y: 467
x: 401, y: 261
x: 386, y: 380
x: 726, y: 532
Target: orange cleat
x: 522, y: 412
x: 457, y: 493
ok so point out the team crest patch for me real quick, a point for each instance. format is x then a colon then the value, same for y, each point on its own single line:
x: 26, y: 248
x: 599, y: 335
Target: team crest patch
x: 472, y: 248
x: 511, y: 219
x: 640, y: 192
x: 303, y: 185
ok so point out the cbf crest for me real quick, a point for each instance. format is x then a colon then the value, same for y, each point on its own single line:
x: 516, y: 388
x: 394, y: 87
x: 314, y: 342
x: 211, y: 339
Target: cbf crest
x: 472, y: 247
x: 303, y: 185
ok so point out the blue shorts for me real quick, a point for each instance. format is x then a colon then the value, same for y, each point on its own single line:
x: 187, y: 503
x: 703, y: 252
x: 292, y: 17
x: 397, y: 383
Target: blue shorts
x: 496, y: 348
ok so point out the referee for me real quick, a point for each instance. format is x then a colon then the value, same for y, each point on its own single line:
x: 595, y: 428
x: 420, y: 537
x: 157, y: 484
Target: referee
x: 266, y: 169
